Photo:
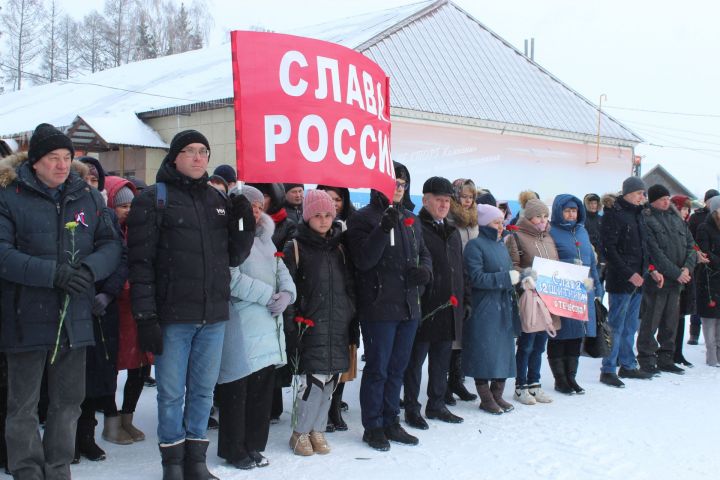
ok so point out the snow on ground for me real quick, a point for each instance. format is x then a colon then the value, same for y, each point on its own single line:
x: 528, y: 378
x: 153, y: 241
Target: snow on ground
x: 665, y: 428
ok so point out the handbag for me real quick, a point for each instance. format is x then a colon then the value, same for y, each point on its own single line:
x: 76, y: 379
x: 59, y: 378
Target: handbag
x: 600, y: 345
x: 534, y: 315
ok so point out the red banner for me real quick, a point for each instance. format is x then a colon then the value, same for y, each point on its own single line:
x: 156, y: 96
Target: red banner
x: 308, y: 111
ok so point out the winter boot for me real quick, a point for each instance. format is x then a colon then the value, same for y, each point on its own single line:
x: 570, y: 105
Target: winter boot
x: 396, y: 433
x: 196, y: 460
x: 571, y: 368
x: 449, y: 398
x: 497, y: 387
x: 113, y: 431
x: 126, y: 420
x: 487, y: 401
x: 557, y: 365
x: 335, y: 412
x: 173, y: 455
x: 375, y: 438
x: 456, y: 378
x: 540, y: 396
x: 611, y: 380
x: 319, y: 443
x: 300, y: 444
x: 522, y: 395
x: 86, y: 440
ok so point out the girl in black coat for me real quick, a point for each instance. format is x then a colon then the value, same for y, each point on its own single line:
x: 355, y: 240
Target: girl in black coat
x: 320, y: 319
x: 708, y: 282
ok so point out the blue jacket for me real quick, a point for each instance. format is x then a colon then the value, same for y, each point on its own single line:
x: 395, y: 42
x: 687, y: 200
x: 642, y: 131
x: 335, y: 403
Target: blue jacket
x: 488, y: 334
x: 573, y: 242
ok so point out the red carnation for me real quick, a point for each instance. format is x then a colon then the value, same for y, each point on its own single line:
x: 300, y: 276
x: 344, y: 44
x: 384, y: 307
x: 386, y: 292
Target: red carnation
x: 696, y: 248
x: 651, y: 268
x: 453, y: 300
x: 577, y: 244
x: 309, y: 322
x: 409, y: 221
x: 712, y: 304
x: 299, y: 319
x: 279, y: 255
x: 512, y: 228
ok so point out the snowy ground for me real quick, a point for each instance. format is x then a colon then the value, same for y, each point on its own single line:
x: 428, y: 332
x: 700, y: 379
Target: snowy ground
x: 666, y: 428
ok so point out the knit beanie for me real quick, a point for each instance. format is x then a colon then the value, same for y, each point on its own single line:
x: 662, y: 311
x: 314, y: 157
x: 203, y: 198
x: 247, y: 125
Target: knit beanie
x: 656, y: 192
x: 124, y: 196
x: 633, y: 184
x: 710, y: 194
x: 226, y: 172
x: 252, y: 194
x: 317, y: 201
x: 45, y: 139
x: 290, y: 186
x: 714, y: 204
x: 488, y: 213
x: 183, y: 139
x: 535, y: 208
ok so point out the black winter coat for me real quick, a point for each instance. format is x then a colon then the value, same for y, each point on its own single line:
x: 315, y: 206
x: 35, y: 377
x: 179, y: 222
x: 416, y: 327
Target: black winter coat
x: 445, y: 247
x: 325, y: 295
x: 708, y: 275
x: 593, y: 225
x: 624, y: 244
x: 383, y: 292
x: 670, y: 245
x: 33, y: 240
x: 295, y: 213
x: 179, y: 256
x: 696, y: 219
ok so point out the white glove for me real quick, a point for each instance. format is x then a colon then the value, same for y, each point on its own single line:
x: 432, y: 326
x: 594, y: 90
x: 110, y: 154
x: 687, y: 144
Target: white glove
x: 528, y: 283
x: 589, y: 284
x: 514, y: 277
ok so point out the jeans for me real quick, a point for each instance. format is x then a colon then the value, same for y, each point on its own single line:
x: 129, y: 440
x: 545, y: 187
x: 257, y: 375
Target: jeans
x: 438, y: 366
x: 528, y: 358
x: 186, y: 373
x: 624, y: 319
x: 29, y: 457
x: 387, y: 352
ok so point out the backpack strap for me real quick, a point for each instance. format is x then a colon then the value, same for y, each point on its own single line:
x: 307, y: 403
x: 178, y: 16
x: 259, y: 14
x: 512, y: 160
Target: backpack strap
x: 517, y: 243
x: 160, y: 195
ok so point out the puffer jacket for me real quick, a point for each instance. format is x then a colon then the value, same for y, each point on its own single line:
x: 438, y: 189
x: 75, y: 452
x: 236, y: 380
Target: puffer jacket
x: 33, y: 241
x: 254, y: 339
x: 670, y: 244
x: 325, y: 295
x: 574, y: 246
x: 180, y: 255
x: 624, y: 241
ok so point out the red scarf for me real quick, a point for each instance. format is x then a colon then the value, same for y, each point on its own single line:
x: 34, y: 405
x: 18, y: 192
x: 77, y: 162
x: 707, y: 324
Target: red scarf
x: 279, y: 216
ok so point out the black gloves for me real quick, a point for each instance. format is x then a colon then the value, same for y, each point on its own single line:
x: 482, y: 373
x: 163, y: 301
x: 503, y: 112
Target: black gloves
x: 102, y: 300
x: 354, y: 332
x: 418, y: 276
x: 389, y: 219
x: 73, y: 279
x: 150, y: 335
x: 240, y: 207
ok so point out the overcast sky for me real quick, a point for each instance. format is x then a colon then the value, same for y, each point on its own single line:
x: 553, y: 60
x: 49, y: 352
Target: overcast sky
x: 656, y: 55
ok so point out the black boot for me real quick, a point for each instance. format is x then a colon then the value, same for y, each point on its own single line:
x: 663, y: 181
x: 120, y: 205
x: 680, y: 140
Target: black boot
x: 557, y: 365
x: 335, y: 412
x: 456, y: 378
x: 172, y: 461
x: 86, y: 440
x: 195, y: 460
x: 571, y: 368
x: 449, y: 398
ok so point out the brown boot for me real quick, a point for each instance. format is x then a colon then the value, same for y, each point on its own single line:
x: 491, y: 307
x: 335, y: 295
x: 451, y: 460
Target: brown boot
x: 318, y: 442
x: 113, y: 432
x: 497, y: 387
x: 300, y: 444
x: 126, y: 420
x: 487, y: 401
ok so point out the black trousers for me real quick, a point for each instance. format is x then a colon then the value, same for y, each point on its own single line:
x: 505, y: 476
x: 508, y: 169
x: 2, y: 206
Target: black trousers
x: 438, y: 365
x: 244, y: 407
x: 564, y: 348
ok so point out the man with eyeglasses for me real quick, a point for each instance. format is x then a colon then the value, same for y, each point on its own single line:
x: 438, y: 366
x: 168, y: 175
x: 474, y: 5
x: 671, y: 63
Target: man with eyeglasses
x: 390, y: 280
x: 183, y: 237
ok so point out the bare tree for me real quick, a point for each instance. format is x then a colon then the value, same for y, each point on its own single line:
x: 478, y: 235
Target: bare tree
x: 118, y: 32
x: 145, y: 43
x: 66, y: 41
x: 51, y: 45
x: 21, y: 22
x: 90, y: 42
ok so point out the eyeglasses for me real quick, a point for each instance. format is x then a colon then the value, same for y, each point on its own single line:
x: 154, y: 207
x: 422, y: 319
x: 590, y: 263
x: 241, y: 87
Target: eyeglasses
x: 400, y: 185
x: 189, y: 152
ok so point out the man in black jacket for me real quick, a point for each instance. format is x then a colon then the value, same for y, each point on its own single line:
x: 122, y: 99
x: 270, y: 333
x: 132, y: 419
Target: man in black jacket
x: 670, y: 246
x: 294, y: 201
x: 624, y: 243
x: 593, y: 225
x: 441, y: 304
x: 56, y: 240
x: 390, y: 279
x: 183, y: 237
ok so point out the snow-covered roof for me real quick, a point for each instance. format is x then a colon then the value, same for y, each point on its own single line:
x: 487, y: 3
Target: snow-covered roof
x: 441, y: 62
x: 123, y: 128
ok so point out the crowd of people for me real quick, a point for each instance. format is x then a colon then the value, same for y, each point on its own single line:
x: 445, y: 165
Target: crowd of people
x: 235, y: 291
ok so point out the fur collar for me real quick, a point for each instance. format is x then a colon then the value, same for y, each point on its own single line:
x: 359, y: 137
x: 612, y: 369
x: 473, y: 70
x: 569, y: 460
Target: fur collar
x: 463, y: 217
x: 264, y: 228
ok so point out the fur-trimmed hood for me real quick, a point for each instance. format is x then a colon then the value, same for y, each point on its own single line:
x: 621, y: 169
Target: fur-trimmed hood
x: 9, y: 168
x: 608, y: 200
x: 265, y: 228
